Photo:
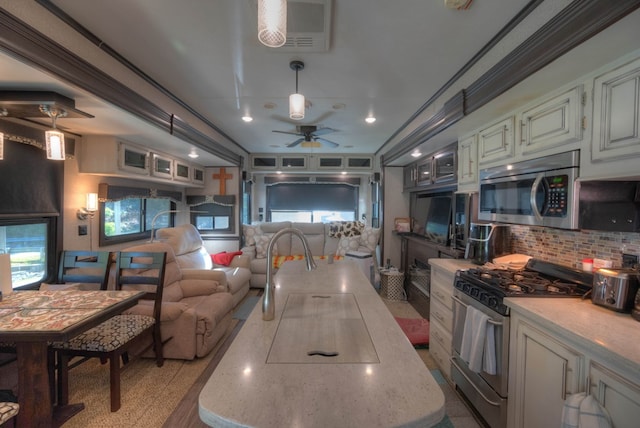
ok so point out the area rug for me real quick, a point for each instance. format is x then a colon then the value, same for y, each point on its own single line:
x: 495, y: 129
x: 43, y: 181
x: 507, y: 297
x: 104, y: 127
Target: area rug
x: 244, y: 310
x: 416, y: 330
x: 149, y: 393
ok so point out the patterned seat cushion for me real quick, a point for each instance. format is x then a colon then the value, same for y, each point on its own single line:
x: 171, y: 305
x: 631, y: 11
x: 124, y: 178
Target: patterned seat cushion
x: 109, y: 335
x: 7, y: 411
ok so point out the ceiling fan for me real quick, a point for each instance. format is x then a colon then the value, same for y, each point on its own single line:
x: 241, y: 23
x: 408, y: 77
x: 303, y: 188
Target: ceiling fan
x: 310, y: 134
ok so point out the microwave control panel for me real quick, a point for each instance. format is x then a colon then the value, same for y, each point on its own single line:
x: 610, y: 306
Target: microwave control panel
x: 558, y: 191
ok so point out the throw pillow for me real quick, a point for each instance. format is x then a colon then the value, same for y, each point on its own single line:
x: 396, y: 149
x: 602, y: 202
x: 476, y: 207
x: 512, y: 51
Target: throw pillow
x: 338, y: 229
x: 262, y: 243
x: 369, y: 238
x: 348, y: 243
x: 250, y: 233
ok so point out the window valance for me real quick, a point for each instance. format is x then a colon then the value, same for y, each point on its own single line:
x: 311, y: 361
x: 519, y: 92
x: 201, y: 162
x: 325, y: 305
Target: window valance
x: 107, y: 193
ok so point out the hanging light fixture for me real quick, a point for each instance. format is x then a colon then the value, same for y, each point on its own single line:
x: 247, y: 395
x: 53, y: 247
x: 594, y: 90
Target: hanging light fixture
x: 272, y: 22
x: 54, y: 139
x: 296, y: 101
x: 1, y: 146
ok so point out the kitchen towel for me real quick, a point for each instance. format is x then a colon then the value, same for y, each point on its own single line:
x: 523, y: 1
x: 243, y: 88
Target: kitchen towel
x: 583, y: 411
x: 473, y: 339
x: 489, y: 360
x: 571, y: 410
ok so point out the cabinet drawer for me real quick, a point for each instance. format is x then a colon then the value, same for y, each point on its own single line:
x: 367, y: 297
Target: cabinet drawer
x: 443, y: 315
x: 438, y: 334
x: 441, y: 358
x: 442, y: 292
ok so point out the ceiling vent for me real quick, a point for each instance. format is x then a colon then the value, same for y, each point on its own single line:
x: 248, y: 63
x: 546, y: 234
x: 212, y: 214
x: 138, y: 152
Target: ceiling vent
x: 308, y: 26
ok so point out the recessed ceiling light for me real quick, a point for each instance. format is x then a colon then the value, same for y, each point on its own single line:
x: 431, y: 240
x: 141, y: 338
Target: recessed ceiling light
x: 370, y: 119
x: 416, y: 153
x: 193, y: 154
x: 344, y: 172
x: 247, y: 119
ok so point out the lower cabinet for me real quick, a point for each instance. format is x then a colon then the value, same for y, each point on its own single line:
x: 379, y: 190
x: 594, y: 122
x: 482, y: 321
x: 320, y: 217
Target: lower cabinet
x: 546, y: 368
x: 441, y: 317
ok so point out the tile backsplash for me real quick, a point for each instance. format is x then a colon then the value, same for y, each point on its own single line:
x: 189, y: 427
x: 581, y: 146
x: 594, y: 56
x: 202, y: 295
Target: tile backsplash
x: 569, y: 247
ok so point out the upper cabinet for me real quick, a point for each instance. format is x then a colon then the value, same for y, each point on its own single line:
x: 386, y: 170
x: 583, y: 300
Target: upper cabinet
x: 110, y: 156
x: 320, y: 162
x: 555, y: 122
x: 497, y: 141
x: 436, y: 170
x: 468, y: 164
x: 615, y: 138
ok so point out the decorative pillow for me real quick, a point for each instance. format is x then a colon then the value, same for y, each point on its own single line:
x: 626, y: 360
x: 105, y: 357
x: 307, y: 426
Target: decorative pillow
x: 338, y: 229
x: 369, y: 238
x: 250, y: 233
x: 262, y: 243
x: 348, y: 243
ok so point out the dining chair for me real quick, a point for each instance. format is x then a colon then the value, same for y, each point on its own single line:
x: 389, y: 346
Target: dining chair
x: 85, y: 267
x: 113, y: 339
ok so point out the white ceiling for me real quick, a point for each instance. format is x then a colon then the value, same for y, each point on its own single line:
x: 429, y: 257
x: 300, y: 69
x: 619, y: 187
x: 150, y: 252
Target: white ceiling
x: 385, y: 58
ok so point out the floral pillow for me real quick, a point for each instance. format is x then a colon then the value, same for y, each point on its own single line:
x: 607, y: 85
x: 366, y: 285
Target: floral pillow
x: 338, y: 229
x: 262, y: 244
x: 250, y: 233
x: 369, y: 238
x: 348, y: 243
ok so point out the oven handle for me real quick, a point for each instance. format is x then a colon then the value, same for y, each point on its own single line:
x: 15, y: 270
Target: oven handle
x: 493, y: 403
x: 466, y: 306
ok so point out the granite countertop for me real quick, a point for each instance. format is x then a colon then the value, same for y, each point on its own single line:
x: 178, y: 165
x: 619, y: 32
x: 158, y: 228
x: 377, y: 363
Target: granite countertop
x: 389, y: 387
x: 609, y: 336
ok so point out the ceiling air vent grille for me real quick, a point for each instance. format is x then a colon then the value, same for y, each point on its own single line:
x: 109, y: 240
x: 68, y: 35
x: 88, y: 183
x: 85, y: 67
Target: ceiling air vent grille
x: 308, y: 26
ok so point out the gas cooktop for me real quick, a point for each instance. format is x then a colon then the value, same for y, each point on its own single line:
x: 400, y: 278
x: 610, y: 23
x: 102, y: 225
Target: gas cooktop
x: 490, y: 285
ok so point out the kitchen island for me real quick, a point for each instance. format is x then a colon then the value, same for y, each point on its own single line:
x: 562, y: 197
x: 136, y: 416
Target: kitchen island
x: 267, y: 378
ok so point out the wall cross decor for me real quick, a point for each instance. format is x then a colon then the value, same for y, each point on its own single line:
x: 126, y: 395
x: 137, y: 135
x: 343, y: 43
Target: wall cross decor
x: 223, y: 177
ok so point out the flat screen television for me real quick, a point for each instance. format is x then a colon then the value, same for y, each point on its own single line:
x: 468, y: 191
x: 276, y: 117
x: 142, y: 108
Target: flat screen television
x: 437, y: 227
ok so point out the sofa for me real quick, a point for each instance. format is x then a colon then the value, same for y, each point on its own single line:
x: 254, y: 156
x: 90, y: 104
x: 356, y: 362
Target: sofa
x: 324, y: 239
x: 187, y: 244
x: 196, y: 309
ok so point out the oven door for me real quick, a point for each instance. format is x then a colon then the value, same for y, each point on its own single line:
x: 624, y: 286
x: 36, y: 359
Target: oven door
x: 461, y: 301
x: 486, y: 393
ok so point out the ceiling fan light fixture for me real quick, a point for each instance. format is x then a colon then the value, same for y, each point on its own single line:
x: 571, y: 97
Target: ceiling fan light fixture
x: 296, y: 100
x: 272, y: 22
x: 296, y: 106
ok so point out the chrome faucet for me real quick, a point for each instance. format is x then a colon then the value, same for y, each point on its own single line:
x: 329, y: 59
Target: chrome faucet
x: 268, y: 301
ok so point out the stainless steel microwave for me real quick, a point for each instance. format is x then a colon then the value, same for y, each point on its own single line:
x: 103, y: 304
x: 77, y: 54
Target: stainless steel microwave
x: 539, y: 192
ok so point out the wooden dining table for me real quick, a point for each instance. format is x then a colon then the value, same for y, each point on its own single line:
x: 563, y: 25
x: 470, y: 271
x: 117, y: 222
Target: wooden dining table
x: 34, y: 319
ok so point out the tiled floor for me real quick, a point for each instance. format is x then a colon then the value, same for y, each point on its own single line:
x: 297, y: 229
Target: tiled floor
x: 457, y: 411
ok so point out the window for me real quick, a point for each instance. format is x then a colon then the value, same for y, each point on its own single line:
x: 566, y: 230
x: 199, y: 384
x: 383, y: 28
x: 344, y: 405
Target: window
x: 27, y: 244
x: 213, y: 215
x: 312, y: 202
x: 132, y: 219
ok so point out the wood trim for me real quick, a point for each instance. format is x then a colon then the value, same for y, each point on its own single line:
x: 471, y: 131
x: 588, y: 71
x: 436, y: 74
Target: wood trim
x: 25, y: 43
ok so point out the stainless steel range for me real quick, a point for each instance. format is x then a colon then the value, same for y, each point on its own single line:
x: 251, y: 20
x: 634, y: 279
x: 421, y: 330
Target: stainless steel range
x: 484, y: 289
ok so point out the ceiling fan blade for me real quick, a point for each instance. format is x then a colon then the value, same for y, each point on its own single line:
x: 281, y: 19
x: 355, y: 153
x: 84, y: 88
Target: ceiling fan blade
x: 327, y: 142
x: 286, y: 132
x: 295, y: 143
x: 323, y: 116
x: 323, y: 131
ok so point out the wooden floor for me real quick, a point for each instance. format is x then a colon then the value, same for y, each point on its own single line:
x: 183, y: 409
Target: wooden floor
x: 186, y: 413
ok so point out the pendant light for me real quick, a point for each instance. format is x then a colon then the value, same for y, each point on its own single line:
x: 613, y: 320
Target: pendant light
x: 296, y: 100
x: 54, y: 139
x: 1, y: 146
x: 272, y: 22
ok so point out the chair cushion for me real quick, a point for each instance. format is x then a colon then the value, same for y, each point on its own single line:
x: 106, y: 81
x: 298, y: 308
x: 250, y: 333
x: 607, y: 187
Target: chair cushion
x: 7, y: 411
x: 109, y: 335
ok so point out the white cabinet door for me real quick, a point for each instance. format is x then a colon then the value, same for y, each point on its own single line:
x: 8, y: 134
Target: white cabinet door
x: 468, y: 163
x: 616, y: 115
x: 497, y: 142
x: 553, y: 123
x: 619, y: 397
x: 440, y: 347
x: 545, y: 372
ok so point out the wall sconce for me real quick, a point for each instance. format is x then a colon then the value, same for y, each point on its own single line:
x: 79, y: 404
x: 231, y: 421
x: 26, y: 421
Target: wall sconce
x: 272, y: 22
x: 91, y: 207
x: 54, y: 139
